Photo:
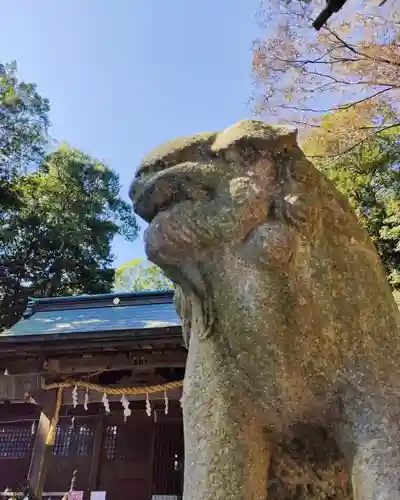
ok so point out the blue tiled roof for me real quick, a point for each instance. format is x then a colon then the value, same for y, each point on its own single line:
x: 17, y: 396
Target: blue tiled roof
x: 102, y: 313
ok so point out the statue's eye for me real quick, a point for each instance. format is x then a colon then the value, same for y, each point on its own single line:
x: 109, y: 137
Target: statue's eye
x: 151, y: 168
x: 249, y: 149
x: 209, y: 192
x: 215, y: 155
x: 208, y: 154
x: 251, y: 153
x: 159, y: 165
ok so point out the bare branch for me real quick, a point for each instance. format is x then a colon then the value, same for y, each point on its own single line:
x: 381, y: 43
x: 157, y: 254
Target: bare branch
x: 306, y: 124
x: 363, y: 54
x: 359, y: 82
x: 296, y: 69
x: 361, y: 141
x: 333, y: 108
x: 365, y: 99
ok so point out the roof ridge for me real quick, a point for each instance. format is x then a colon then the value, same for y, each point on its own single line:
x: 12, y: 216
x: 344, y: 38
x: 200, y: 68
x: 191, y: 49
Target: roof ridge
x: 36, y: 304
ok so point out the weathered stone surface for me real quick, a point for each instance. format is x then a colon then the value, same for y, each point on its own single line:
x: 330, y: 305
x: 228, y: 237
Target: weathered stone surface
x: 290, y: 323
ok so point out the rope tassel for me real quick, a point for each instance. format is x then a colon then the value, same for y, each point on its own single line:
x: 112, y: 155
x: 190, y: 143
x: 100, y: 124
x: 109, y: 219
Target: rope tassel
x: 106, y: 391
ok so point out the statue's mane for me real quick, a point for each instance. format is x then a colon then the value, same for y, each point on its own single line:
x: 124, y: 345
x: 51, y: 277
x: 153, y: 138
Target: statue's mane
x: 303, y: 199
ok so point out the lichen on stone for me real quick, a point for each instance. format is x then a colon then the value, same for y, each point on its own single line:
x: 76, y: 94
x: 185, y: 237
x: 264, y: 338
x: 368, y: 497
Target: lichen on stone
x: 287, y: 315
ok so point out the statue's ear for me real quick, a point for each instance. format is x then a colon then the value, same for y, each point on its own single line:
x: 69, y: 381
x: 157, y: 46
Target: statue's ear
x: 256, y: 135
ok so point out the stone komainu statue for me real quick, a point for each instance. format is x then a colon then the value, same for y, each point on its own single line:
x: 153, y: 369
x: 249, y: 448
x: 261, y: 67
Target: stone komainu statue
x: 289, y: 321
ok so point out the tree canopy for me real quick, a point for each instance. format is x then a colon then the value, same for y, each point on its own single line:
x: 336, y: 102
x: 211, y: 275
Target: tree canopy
x: 24, y: 122
x: 301, y: 74
x: 138, y: 275
x: 368, y: 174
x: 57, y: 227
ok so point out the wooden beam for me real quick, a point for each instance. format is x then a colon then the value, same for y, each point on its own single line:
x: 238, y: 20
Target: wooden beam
x: 93, y: 362
x: 42, y: 451
x: 14, y: 388
x: 113, y: 361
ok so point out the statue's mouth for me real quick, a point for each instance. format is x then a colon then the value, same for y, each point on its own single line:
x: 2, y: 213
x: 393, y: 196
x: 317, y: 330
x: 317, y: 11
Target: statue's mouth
x: 152, y: 193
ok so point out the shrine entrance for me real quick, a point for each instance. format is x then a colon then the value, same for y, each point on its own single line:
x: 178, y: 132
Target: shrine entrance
x: 141, y: 458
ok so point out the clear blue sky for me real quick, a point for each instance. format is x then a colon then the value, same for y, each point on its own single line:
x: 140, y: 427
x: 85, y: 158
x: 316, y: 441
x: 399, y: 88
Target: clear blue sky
x: 125, y: 75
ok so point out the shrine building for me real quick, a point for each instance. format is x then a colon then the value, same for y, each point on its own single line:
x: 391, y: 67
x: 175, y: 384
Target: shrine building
x: 90, y: 389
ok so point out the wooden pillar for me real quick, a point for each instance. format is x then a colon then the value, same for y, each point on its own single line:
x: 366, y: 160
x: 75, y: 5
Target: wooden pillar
x: 42, y: 450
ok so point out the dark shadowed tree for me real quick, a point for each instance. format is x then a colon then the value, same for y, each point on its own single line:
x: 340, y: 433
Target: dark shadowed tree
x: 58, y: 240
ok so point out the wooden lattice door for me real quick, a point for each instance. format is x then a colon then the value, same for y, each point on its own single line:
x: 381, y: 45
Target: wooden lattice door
x: 16, y: 445
x: 72, y: 452
x: 127, y: 456
x: 168, y: 459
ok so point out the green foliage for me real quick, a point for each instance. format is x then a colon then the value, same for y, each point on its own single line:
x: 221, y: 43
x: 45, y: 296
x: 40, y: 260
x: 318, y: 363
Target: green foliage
x: 369, y: 176
x: 57, y: 241
x: 136, y: 275
x: 59, y: 212
x: 24, y: 122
